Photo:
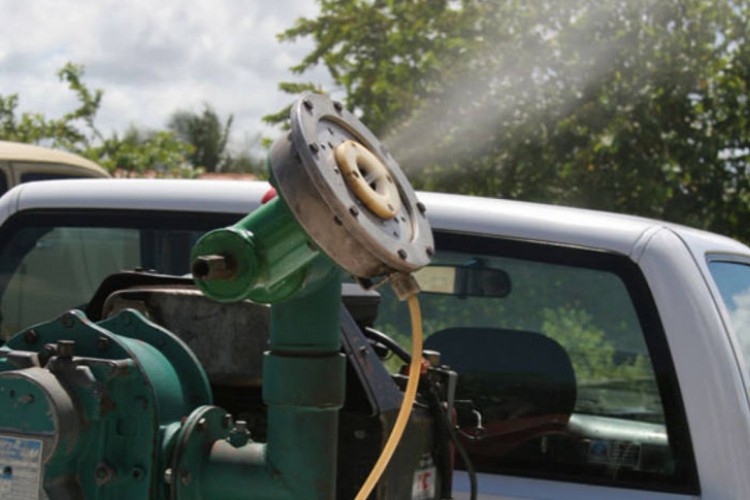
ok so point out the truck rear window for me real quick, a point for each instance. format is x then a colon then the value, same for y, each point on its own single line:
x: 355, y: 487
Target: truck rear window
x: 561, y: 354
x: 52, y: 262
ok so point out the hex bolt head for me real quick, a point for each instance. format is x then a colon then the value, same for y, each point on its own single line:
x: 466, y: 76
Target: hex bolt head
x: 68, y: 320
x: 168, y: 476
x: 402, y: 253
x: 227, y: 421
x: 31, y: 337
x: 314, y: 148
x: 65, y: 348
x: 213, y: 267
x: 430, y: 251
x: 308, y: 104
x: 354, y: 211
x: 240, y: 426
x: 420, y: 206
x: 338, y: 106
x: 202, y: 425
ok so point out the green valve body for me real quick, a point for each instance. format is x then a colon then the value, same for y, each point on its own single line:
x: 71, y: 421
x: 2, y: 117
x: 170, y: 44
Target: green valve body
x: 268, y: 257
x: 264, y: 257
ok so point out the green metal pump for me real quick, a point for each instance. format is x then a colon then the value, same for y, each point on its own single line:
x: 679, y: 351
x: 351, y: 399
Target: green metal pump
x: 122, y: 409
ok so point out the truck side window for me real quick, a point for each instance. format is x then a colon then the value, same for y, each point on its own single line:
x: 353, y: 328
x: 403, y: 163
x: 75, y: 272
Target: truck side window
x: 561, y: 352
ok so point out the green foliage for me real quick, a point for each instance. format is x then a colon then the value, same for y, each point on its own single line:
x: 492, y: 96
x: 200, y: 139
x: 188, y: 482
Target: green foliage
x: 206, y: 134
x: 633, y: 106
x: 136, y: 152
x: 61, y: 132
x: 139, y: 153
x: 387, y: 56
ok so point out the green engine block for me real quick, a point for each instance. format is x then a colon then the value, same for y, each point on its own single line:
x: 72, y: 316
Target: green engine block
x: 97, y: 404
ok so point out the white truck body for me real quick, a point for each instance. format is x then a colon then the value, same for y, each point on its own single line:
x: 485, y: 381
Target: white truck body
x: 705, y: 345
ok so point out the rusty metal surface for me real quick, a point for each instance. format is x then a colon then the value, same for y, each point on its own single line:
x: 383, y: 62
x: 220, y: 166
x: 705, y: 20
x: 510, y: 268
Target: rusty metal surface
x: 228, y: 338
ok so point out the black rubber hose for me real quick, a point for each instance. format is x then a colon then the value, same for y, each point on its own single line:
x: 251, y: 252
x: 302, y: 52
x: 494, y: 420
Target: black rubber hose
x: 391, y: 344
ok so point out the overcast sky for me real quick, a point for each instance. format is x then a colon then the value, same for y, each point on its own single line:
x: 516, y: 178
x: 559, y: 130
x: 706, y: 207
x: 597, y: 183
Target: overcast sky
x: 151, y: 58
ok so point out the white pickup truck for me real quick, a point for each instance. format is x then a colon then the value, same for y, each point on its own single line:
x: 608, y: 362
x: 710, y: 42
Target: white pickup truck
x: 607, y: 355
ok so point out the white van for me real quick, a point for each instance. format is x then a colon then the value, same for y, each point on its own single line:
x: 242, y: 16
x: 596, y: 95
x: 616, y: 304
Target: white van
x: 26, y: 162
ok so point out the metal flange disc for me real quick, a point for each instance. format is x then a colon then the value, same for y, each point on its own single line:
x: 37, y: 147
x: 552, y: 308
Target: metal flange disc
x: 348, y: 193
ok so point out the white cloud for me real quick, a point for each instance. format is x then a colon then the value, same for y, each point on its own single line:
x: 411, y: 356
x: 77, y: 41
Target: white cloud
x: 153, y: 58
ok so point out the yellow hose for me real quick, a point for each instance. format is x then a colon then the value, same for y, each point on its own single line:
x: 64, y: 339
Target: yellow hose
x: 415, y: 368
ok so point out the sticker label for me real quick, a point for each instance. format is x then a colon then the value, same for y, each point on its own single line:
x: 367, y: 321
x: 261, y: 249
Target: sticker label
x: 615, y: 453
x: 20, y: 468
x: 423, y: 487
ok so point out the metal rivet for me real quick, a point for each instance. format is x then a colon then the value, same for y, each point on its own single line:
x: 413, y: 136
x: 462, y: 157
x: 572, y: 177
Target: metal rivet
x: 308, y: 104
x: 337, y: 106
x: 430, y: 251
x: 314, y: 147
x: 202, y: 425
x: 421, y: 207
x: 354, y: 211
x: 402, y: 253
x: 137, y: 473
x: 227, y: 422
x: 168, y: 476
x: 103, y: 473
x: 337, y: 221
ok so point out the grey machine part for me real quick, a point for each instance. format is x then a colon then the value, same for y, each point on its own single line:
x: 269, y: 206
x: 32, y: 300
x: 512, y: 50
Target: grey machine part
x: 361, y: 211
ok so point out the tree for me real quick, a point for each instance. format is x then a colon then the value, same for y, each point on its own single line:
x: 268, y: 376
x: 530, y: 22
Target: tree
x: 206, y: 133
x: 138, y: 152
x: 61, y: 132
x: 635, y: 106
x: 76, y: 131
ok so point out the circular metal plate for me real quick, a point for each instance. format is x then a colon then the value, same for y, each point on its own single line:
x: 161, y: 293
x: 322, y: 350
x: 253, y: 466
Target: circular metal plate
x: 337, y: 219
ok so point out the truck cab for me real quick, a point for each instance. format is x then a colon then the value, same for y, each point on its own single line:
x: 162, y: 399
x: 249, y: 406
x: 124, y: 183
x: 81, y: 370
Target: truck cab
x: 599, y: 355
